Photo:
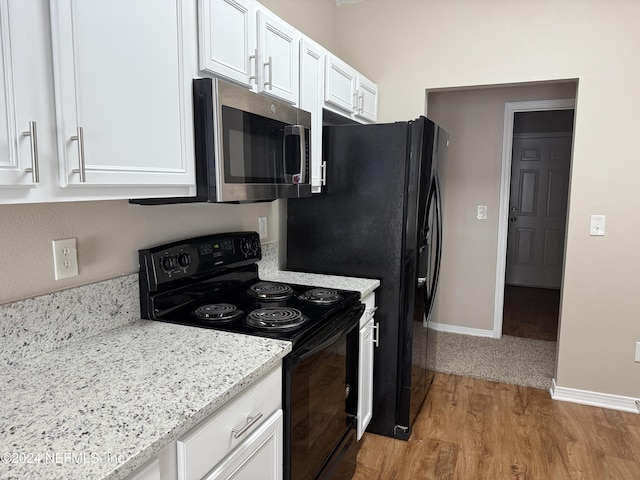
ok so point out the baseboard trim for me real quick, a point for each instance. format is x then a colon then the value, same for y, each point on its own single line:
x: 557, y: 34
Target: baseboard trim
x: 594, y: 399
x: 476, y: 332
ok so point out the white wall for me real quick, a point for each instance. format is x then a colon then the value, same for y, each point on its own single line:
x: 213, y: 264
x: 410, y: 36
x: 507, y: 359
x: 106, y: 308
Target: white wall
x: 108, y: 234
x: 408, y: 46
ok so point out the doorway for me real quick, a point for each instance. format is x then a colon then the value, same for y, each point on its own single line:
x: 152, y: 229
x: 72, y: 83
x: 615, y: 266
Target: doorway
x: 534, y: 192
x: 540, y: 162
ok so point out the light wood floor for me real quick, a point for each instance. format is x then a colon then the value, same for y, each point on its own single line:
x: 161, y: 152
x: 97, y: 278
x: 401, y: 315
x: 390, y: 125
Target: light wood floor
x: 472, y: 429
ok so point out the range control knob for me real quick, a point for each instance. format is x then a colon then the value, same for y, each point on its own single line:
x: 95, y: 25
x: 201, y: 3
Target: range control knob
x: 184, y: 260
x: 255, y: 245
x: 245, y: 247
x: 167, y: 264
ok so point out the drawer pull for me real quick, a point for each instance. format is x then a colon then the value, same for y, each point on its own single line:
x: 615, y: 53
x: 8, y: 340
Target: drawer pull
x: 237, y: 433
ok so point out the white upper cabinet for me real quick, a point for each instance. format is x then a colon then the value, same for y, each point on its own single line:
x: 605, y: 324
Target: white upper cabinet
x: 312, y: 100
x: 18, y: 124
x: 122, y: 93
x: 340, y: 85
x: 349, y: 93
x: 278, y: 57
x: 228, y: 44
x: 367, y: 105
x: 243, y: 42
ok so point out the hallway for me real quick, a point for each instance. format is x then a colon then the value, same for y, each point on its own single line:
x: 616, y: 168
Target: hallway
x: 531, y: 312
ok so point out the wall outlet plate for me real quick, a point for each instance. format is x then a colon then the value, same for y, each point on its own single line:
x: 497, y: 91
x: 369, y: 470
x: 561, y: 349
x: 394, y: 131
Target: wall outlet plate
x: 597, y: 225
x: 637, y: 351
x: 482, y: 212
x: 262, y: 228
x: 65, y: 258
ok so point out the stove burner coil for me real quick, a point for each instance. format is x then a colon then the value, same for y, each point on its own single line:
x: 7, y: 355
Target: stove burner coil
x: 270, y: 291
x: 219, y: 312
x: 321, y: 296
x: 275, y: 318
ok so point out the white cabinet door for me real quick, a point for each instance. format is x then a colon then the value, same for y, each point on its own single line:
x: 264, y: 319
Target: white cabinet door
x: 260, y: 456
x: 278, y: 58
x: 18, y: 125
x: 367, y: 107
x: 349, y: 93
x: 365, y: 379
x: 312, y: 100
x: 367, y: 342
x: 149, y: 472
x: 227, y: 37
x: 340, y: 85
x: 122, y: 95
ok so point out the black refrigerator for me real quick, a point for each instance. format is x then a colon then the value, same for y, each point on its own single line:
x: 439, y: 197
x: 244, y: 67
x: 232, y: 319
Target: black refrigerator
x: 380, y: 216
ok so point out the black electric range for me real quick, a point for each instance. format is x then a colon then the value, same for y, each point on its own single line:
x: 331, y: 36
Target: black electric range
x: 212, y: 282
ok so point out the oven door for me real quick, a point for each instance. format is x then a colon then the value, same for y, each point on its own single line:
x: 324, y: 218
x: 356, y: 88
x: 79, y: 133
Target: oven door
x: 320, y: 405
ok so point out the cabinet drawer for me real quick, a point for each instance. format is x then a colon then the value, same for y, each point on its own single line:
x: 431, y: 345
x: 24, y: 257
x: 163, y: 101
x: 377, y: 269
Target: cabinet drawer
x: 260, y: 456
x: 208, y: 443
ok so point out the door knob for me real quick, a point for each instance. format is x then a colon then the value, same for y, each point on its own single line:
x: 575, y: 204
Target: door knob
x: 514, y: 212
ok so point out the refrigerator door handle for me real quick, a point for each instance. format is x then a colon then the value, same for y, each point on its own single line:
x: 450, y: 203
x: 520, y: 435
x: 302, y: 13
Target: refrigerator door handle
x: 430, y: 293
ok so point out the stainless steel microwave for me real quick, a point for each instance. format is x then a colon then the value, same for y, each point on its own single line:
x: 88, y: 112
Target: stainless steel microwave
x: 248, y: 147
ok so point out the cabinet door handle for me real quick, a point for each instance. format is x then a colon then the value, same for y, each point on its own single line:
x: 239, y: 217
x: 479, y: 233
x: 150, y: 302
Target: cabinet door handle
x: 254, y: 57
x: 355, y: 102
x: 79, y: 137
x: 376, y: 334
x: 32, y: 133
x: 270, y: 65
x: 237, y: 433
x: 323, y: 175
x: 361, y: 107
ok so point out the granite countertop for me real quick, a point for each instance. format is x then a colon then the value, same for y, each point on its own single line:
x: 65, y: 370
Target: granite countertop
x: 363, y: 285
x: 100, y: 408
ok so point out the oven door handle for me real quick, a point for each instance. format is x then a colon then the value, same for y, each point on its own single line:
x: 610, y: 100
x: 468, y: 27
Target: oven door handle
x: 347, y: 324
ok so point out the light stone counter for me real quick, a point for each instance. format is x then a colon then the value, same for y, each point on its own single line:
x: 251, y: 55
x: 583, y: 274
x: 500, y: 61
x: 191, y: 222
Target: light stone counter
x: 269, y: 271
x: 363, y: 285
x: 88, y: 391
x: 100, y: 408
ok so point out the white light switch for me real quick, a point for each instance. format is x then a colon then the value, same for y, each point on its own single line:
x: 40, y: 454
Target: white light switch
x: 597, y: 225
x: 482, y: 212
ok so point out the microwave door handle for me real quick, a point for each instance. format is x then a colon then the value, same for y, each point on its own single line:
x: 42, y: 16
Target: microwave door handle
x: 299, y: 131
x: 302, y: 154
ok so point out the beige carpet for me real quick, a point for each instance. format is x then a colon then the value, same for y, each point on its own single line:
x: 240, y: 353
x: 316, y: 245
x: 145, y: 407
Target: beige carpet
x: 513, y: 360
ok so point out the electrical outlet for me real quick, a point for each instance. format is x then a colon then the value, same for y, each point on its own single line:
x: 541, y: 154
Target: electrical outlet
x: 637, y: 351
x: 262, y: 227
x: 482, y: 212
x: 65, y: 258
x: 596, y: 227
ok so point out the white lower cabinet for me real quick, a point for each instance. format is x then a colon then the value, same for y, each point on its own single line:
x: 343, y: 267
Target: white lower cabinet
x: 241, y: 440
x: 367, y: 342
x: 260, y: 456
x: 151, y: 471
x: 160, y: 467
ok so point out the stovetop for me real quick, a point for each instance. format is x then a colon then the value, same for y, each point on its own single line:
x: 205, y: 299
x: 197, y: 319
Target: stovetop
x: 212, y: 282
